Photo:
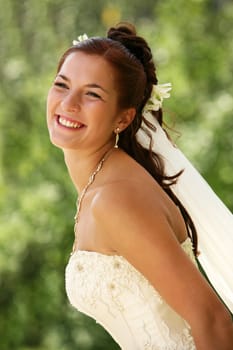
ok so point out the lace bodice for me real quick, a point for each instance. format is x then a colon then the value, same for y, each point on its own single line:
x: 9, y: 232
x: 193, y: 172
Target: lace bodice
x: 110, y: 290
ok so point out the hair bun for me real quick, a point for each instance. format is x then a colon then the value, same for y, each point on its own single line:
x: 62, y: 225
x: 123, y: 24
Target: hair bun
x: 125, y: 33
x: 122, y: 28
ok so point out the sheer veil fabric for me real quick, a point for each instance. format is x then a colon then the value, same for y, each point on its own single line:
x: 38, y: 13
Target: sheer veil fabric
x: 213, y: 220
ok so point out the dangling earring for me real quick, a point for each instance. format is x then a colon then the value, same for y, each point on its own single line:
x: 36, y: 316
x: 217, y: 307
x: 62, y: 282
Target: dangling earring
x: 117, y: 137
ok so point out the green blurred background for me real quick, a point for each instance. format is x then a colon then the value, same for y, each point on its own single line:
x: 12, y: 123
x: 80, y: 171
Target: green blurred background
x: 193, y: 47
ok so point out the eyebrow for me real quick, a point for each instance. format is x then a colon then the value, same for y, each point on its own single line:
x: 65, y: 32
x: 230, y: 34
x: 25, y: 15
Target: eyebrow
x: 91, y: 85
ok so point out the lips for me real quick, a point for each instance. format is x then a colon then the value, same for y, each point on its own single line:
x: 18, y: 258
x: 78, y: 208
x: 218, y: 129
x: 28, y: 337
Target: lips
x: 68, y: 123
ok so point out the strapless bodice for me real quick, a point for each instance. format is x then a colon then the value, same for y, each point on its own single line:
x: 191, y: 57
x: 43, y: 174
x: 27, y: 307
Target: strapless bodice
x: 110, y: 290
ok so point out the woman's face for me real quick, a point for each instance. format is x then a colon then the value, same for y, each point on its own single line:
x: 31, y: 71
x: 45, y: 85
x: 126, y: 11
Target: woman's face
x: 82, y: 107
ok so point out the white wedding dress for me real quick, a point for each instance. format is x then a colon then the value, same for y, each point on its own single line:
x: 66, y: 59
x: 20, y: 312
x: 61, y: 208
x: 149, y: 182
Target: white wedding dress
x: 110, y: 290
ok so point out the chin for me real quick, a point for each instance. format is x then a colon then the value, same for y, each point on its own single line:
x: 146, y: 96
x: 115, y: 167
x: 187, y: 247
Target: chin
x: 63, y: 145
x: 62, y: 141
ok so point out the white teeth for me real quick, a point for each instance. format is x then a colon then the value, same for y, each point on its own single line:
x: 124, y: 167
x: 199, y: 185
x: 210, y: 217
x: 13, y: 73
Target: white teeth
x: 69, y: 124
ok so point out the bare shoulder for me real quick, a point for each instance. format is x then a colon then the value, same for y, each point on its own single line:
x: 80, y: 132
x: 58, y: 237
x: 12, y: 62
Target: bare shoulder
x: 137, y: 204
x: 129, y: 211
x: 129, y: 196
x: 132, y: 191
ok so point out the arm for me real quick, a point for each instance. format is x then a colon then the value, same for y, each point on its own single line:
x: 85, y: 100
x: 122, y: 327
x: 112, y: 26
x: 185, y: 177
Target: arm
x: 139, y: 229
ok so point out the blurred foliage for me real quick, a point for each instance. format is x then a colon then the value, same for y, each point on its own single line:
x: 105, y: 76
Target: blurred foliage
x: 193, y: 47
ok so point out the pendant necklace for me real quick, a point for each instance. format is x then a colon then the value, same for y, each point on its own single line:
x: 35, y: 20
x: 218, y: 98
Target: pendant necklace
x: 82, y: 194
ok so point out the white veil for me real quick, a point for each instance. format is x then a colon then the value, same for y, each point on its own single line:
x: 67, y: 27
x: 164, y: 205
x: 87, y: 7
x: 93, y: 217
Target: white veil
x: 213, y: 221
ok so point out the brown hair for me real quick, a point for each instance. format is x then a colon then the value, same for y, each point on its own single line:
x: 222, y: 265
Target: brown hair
x: 132, y: 60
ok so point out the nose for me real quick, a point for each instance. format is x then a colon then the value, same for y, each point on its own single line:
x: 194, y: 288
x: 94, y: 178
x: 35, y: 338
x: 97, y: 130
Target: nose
x: 70, y: 103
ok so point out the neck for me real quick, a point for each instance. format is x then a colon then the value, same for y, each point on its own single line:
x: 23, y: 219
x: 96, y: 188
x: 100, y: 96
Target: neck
x: 81, y: 166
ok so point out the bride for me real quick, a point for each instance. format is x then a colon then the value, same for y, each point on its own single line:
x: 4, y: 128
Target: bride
x: 134, y: 262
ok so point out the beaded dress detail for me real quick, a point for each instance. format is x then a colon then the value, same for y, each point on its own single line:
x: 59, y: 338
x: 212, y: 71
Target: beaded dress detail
x: 110, y: 290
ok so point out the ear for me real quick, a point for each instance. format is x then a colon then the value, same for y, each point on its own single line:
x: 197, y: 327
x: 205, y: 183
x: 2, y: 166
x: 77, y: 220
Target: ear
x: 125, y: 118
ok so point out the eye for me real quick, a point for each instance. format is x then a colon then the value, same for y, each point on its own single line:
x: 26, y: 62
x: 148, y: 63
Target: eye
x: 61, y: 84
x: 93, y: 94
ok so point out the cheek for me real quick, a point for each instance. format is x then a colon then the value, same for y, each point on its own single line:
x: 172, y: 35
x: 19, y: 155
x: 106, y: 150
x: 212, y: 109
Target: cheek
x: 50, y: 102
x: 47, y: 110
x: 49, y: 114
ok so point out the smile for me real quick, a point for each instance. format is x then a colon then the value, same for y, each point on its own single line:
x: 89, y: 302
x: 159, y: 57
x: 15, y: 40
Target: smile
x: 69, y: 124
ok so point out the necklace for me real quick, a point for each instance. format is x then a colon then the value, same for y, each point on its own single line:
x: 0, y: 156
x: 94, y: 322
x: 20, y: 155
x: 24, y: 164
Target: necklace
x: 82, y: 194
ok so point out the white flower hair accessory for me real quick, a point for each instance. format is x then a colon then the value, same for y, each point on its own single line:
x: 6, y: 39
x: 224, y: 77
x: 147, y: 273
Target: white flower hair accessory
x: 159, y: 92
x: 80, y: 39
